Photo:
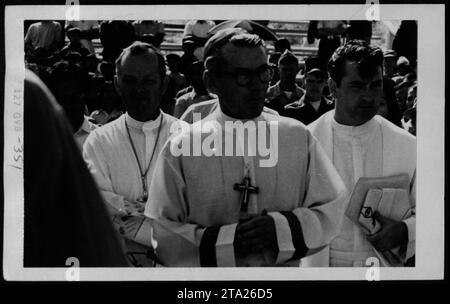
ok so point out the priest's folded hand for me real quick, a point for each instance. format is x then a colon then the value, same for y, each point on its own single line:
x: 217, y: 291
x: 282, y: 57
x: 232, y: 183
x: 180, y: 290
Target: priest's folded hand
x: 134, y: 208
x: 255, y: 235
x: 391, y: 235
x: 130, y: 226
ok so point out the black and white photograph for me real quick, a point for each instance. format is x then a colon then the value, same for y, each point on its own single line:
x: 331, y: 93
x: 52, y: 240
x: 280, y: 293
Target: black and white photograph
x: 224, y: 142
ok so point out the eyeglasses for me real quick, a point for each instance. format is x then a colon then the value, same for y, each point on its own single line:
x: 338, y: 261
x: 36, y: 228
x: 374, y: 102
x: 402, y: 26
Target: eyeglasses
x: 244, y: 76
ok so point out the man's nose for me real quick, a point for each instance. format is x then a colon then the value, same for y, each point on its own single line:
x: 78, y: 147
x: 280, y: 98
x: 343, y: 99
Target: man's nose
x: 140, y: 87
x: 367, y: 96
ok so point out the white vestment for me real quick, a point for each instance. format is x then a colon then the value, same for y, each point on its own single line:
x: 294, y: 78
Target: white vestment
x: 110, y: 158
x: 375, y: 149
x: 195, y: 193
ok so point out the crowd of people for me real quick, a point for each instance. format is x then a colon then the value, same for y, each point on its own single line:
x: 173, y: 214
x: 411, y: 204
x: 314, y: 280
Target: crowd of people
x: 182, y: 210
x: 297, y: 90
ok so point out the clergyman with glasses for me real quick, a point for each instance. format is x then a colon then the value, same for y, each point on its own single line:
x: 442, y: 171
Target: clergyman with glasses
x: 220, y: 210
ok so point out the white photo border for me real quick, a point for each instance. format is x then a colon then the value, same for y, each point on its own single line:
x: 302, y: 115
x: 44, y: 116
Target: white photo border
x: 430, y: 138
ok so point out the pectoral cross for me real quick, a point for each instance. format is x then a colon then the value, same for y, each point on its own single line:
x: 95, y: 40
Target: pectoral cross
x: 143, y: 198
x: 246, y: 188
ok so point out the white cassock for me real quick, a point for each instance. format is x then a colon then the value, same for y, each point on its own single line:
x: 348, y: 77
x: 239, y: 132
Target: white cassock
x: 196, y: 210
x: 110, y: 158
x: 375, y: 149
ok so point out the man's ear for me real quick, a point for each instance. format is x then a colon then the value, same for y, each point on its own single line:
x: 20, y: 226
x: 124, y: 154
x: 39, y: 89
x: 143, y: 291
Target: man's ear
x: 210, y: 81
x: 164, y: 85
x: 332, y: 87
x: 116, y: 85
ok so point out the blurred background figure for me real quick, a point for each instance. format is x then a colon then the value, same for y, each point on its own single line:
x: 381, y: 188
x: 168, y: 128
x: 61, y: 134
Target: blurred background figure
x: 405, y: 41
x: 409, y: 119
x: 74, y: 45
x: 285, y: 91
x: 313, y: 103
x: 176, y: 82
x: 89, y: 30
x: 409, y: 116
x: 360, y: 30
x: 42, y: 39
x: 115, y: 35
x: 329, y: 34
x: 390, y: 63
x: 199, y: 92
x: 68, y: 83
x: 64, y: 213
x: 402, y: 88
x: 198, y: 30
x: 389, y: 108
x: 92, y: 64
x: 173, y: 62
x: 280, y: 46
x: 403, y: 67
x: 149, y: 31
x: 188, y: 57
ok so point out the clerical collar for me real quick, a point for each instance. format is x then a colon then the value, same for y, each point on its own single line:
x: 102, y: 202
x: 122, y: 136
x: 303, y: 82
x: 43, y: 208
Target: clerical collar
x: 354, y: 130
x: 308, y: 100
x: 315, y: 104
x: 222, y: 117
x: 141, y: 125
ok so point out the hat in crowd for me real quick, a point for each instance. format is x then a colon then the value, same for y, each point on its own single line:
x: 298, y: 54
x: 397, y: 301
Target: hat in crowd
x: 188, y: 39
x: 73, y: 30
x: 219, y: 39
x: 173, y: 56
x: 287, y: 58
x: 402, y: 60
x: 282, y: 44
x: 148, y: 38
x: 389, y: 53
x: 314, y: 66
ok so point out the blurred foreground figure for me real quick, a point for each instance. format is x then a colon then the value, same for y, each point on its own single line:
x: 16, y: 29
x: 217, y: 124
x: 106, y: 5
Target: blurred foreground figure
x: 64, y: 214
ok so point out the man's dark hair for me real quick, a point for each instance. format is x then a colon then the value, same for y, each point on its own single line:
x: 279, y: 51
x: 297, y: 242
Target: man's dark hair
x: 282, y: 44
x: 287, y: 58
x: 173, y: 57
x: 67, y: 71
x: 139, y: 48
x: 367, y: 57
x: 214, y: 58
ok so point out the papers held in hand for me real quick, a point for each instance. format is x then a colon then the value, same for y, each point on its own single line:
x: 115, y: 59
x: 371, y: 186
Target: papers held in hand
x: 388, y: 195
